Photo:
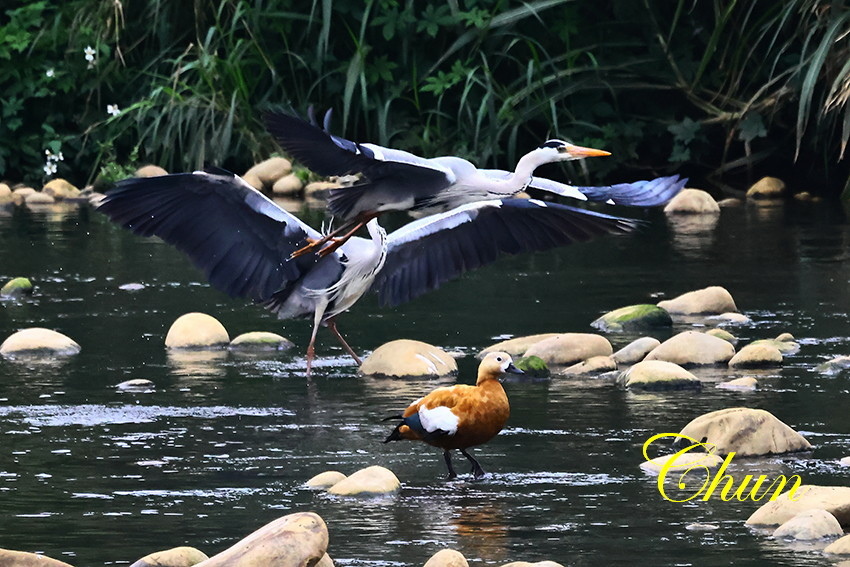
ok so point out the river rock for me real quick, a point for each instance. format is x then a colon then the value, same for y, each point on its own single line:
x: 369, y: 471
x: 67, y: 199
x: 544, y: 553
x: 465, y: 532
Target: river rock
x: 756, y: 356
x: 633, y: 318
x: 319, y: 189
x: 833, y: 499
x: 692, y: 202
x: 729, y: 203
x: 834, y: 366
x: 723, y: 334
x: 405, y: 357
x: 682, y: 462
x: 136, y: 385
x: 371, y: 481
x: 270, y: 170
x: 533, y: 366
x: 516, y: 346
x: 37, y: 341
x: 23, y: 192
x: 9, y: 558
x: 16, y: 287
x: 730, y: 317
x: 39, y: 199
x: 196, y: 331
x: 841, y: 546
x: 658, y: 375
x: 5, y: 194
x: 569, y: 348
x: 288, y: 185
x: 447, y: 558
x: 767, y: 188
x: 747, y: 432
x: 251, y: 179
x: 150, y: 171
x: 296, y: 540
x: 635, y: 351
x: 844, y: 461
x: 592, y: 365
x: 747, y: 383
x: 710, y: 300
x: 325, y: 480
x: 787, y: 346
x: 176, y: 557
x: 810, y: 525
x: 60, y: 189
x: 260, y: 340
x: 692, y: 348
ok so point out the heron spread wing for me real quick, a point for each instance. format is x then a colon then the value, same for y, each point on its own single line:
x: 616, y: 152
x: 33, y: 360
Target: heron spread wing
x: 424, y: 254
x: 636, y: 194
x: 239, y: 238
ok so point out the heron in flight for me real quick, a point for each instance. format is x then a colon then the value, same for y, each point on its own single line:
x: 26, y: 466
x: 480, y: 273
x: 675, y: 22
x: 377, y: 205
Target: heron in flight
x: 243, y: 243
x: 397, y: 180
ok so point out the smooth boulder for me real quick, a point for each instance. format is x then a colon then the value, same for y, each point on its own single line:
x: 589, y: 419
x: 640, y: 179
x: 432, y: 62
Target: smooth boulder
x: 296, y: 540
x: 325, y: 480
x: 16, y: 287
x: 756, y: 356
x: 5, y: 194
x: 9, y: 558
x: 176, y: 557
x: 371, y: 481
x: 593, y: 365
x: 706, y: 301
x: 36, y: 341
x: 834, y: 366
x: 658, y: 375
x: 841, y: 546
x: 746, y: 432
x: 196, y: 331
x: 635, y: 351
x: 781, y: 343
x: 60, y: 189
x: 681, y: 463
x: 810, y: 525
x: 150, y: 171
x: 692, y: 348
x: 405, y: 357
x: 633, y: 318
x: 516, y: 346
x: 447, y: 558
x: 833, y: 499
x: 747, y: 383
x: 270, y: 170
x: 260, y: 340
x: 568, y: 348
x: 692, y: 202
x: 767, y: 188
x: 288, y: 185
x: 723, y: 334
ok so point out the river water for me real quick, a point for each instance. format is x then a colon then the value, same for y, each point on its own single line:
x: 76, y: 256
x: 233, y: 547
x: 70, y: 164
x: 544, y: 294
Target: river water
x: 97, y: 476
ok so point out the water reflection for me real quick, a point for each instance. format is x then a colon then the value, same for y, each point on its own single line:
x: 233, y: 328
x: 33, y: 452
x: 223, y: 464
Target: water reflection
x: 197, y: 363
x: 693, y: 234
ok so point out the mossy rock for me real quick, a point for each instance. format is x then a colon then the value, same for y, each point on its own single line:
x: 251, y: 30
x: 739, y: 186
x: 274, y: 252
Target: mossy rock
x: 16, y: 288
x: 533, y: 366
x: 633, y: 317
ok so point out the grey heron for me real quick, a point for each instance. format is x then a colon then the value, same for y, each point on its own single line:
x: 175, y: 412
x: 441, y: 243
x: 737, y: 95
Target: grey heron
x: 243, y: 241
x: 398, y: 180
x: 460, y: 416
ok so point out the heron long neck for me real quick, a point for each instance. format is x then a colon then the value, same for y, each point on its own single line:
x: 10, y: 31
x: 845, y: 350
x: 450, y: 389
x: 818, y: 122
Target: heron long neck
x: 521, y: 176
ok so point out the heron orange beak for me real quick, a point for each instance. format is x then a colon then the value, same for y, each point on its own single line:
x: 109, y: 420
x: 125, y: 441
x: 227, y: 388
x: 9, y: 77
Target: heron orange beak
x: 580, y: 152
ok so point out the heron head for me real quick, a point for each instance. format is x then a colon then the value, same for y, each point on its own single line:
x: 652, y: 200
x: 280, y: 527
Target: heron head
x: 559, y: 150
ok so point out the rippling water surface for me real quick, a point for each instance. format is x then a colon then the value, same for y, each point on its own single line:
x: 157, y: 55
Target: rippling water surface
x: 98, y: 476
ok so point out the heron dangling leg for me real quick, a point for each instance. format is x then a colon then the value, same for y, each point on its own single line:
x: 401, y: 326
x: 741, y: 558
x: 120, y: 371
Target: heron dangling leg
x: 331, y: 323
x: 311, y: 348
x: 477, y: 471
x: 448, y: 457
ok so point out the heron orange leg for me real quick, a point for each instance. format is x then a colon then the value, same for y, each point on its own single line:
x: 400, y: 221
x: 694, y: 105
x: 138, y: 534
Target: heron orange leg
x: 331, y: 323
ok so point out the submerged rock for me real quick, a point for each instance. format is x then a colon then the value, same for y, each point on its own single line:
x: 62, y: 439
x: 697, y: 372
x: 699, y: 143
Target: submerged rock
x: 633, y: 318
x: 767, y: 188
x: 747, y: 432
x: 36, y: 341
x: 176, y: 557
x: 260, y: 340
x: 841, y: 546
x: 785, y: 346
x: 196, y: 331
x: 516, y: 346
x: 9, y: 558
x: 834, y: 366
x: 136, y: 385
x: 16, y: 287
x: 723, y: 334
x: 635, y: 351
x: 371, y: 481
x: 692, y: 348
x: 747, y: 383
x: 405, y: 357
x: 535, y: 564
x: 447, y: 558
x: 810, y: 525
x: 593, y: 365
x: 692, y: 202
x: 710, y: 300
x: 833, y: 499
x: 756, y: 356
x: 325, y: 480
x: 533, y: 366
x: 60, y: 189
x: 658, y: 375
x: 37, y: 198
x: 296, y: 540
x: 681, y: 463
x: 569, y: 348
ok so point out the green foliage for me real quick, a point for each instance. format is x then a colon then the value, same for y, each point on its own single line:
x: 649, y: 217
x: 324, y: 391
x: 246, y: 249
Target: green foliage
x: 663, y: 85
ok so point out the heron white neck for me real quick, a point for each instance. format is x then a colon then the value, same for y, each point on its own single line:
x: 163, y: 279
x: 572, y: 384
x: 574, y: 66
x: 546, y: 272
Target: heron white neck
x: 521, y: 176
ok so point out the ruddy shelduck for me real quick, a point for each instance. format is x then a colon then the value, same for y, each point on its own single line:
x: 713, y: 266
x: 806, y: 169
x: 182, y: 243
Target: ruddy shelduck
x: 461, y: 416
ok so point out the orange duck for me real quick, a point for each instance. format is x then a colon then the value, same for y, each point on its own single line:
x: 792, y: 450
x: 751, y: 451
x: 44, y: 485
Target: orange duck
x: 461, y: 416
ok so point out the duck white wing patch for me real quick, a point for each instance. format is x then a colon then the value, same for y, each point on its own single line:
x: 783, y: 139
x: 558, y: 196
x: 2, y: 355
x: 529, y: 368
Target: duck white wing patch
x: 438, y: 418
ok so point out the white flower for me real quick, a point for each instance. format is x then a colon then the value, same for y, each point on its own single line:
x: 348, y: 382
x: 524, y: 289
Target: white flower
x: 59, y: 157
x: 50, y: 168
x: 89, y: 51
x: 112, y: 109
x: 49, y: 73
